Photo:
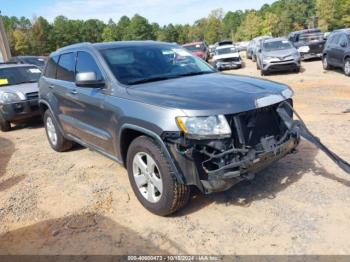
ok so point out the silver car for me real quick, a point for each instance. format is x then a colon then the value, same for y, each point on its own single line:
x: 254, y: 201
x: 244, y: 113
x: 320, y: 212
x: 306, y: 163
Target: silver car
x: 18, y: 93
x: 276, y: 55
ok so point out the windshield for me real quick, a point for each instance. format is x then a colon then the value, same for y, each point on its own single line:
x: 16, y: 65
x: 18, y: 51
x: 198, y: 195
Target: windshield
x: 311, y: 37
x: 34, y: 61
x: 228, y: 50
x: 194, y: 48
x: 135, y: 64
x: 277, y: 45
x: 19, y: 75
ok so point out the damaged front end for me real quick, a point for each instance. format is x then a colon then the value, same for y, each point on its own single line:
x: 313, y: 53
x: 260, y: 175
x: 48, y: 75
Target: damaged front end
x: 259, y: 137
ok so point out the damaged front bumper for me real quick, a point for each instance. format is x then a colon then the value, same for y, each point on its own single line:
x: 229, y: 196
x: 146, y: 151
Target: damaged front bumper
x: 259, y: 138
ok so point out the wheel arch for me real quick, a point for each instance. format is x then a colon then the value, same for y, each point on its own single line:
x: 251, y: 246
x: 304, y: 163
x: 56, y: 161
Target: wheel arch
x: 129, y: 132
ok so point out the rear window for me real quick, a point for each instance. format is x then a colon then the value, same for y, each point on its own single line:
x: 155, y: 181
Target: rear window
x: 66, y: 67
x: 51, y: 67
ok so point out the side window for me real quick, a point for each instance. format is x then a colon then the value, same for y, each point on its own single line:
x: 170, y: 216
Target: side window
x: 343, y: 40
x: 65, y: 69
x: 86, y: 63
x: 335, y: 39
x: 51, y: 67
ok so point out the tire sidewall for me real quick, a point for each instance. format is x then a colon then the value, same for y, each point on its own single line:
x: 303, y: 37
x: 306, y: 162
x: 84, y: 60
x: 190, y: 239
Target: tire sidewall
x: 147, y: 145
x: 5, y: 126
x: 347, y: 60
x: 60, y: 138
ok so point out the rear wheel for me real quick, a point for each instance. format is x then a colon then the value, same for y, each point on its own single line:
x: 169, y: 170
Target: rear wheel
x: 152, y: 178
x: 55, y: 137
x: 5, y: 126
x: 347, y: 67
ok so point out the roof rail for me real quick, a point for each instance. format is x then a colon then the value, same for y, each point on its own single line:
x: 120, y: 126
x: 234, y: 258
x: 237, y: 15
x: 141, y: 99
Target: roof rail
x: 73, y: 45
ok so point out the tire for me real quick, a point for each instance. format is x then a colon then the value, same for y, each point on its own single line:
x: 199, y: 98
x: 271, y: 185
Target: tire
x: 263, y: 72
x: 257, y: 65
x: 171, y: 196
x: 325, y: 63
x: 347, y: 67
x: 5, y: 126
x: 59, y: 144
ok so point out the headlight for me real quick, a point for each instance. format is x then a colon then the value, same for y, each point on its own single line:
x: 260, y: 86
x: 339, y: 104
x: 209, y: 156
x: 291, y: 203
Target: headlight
x: 204, y: 127
x: 303, y: 49
x: 287, y: 93
x: 9, y: 98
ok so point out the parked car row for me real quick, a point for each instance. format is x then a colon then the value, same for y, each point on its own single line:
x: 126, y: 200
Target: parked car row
x: 285, y: 54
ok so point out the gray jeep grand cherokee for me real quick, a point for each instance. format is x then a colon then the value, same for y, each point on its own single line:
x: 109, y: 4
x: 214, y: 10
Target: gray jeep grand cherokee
x: 166, y: 115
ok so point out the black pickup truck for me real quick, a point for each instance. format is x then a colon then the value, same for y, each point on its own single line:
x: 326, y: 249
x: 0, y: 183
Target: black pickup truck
x: 309, y: 42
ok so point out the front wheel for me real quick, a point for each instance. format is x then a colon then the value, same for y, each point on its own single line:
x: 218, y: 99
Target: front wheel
x: 152, y: 178
x: 5, y: 126
x: 325, y: 63
x: 347, y: 67
x: 57, y: 141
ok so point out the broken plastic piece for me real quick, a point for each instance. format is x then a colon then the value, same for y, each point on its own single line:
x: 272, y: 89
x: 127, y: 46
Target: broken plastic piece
x: 305, y: 133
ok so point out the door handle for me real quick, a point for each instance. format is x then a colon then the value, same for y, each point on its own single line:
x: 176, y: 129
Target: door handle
x: 51, y: 86
x: 74, y: 92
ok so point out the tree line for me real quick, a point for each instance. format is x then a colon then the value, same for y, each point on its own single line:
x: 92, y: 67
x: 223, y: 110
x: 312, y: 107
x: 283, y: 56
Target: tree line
x: 37, y: 36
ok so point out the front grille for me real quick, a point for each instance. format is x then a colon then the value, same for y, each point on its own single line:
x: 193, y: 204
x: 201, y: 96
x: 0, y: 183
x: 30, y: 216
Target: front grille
x: 256, y: 124
x: 230, y: 59
x: 32, y: 96
x: 281, y: 61
x: 282, y: 66
x: 316, y: 47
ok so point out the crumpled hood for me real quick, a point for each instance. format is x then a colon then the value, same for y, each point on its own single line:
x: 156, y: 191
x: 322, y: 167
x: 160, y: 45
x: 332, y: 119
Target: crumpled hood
x: 210, y: 93
x: 21, y: 90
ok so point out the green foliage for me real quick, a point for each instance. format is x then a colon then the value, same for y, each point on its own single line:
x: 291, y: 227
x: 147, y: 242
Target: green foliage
x: 39, y: 37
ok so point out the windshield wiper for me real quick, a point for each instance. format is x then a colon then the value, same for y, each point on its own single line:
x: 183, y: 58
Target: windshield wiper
x: 26, y: 82
x: 196, y: 73
x: 160, y: 78
x: 149, y: 79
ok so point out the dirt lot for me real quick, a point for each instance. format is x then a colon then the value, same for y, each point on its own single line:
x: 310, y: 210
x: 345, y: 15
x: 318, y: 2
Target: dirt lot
x: 80, y: 202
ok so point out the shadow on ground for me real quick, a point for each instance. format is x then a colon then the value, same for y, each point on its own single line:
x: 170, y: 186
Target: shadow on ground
x: 84, y: 234
x: 7, y: 149
x: 269, y: 182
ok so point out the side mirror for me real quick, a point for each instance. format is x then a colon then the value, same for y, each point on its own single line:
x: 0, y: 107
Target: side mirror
x: 88, y: 79
x: 259, y: 50
x: 343, y: 44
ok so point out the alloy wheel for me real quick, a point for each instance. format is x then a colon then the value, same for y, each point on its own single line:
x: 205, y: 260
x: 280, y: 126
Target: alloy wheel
x: 147, y: 177
x: 51, y: 131
x: 347, y: 67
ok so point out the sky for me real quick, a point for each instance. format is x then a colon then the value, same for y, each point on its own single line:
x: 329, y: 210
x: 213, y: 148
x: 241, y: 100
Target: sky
x: 159, y: 11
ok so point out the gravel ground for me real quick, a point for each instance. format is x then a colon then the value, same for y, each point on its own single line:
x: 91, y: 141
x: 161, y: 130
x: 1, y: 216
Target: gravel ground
x: 80, y: 202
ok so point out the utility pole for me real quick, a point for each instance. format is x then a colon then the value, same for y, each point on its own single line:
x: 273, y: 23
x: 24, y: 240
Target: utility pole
x: 5, y: 53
